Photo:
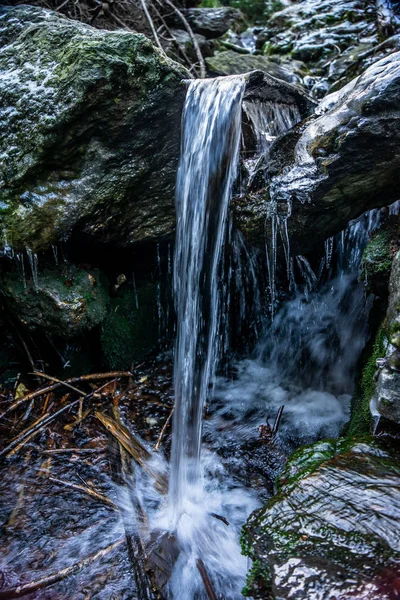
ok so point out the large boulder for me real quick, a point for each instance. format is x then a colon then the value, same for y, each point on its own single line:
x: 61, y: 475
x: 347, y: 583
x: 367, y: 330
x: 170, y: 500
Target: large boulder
x: 332, y: 531
x: 90, y: 126
x: 335, y: 165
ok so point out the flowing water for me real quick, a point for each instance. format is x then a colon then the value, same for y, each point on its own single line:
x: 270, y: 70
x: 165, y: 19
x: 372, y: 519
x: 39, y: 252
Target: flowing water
x: 303, y: 359
x: 209, y: 155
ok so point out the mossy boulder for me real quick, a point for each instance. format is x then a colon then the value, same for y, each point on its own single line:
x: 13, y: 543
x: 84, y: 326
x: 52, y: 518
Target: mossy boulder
x: 63, y: 302
x: 232, y: 63
x: 333, y: 528
x: 130, y: 331
x: 91, y: 132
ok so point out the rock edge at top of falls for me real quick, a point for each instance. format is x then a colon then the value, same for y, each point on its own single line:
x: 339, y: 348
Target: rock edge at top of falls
x: 91, y: 123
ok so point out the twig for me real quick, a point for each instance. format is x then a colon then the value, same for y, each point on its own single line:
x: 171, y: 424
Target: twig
x: 277, y: 420
x: 50, y: 388
x: 74, y: 451
x: 33, y: 586
x: 38, y: 425
x: 150, y: 21
x: 135, y: 449
x: 65, y: 383
x: 203, y: 71
x: 86, y: 490
x: 160, y: 437
x: 206, y: 580
x: 220, y: 518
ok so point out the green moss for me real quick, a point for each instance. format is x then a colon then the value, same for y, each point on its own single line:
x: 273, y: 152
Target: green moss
x: 378, y: 255
x: 360, y: 421
x: 130, y: 330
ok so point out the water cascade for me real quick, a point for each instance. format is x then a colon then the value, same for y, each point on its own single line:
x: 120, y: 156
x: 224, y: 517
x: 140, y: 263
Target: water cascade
x: 209, y: 156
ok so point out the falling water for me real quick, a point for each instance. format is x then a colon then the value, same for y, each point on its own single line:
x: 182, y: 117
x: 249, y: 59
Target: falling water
x: 209, y: 156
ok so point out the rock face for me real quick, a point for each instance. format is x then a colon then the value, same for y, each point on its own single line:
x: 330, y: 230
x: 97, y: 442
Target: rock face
x: 91, y: 128
x: 64, y: 303
x: 332, y: 531
x: 210, y: 22
x: 230, y: 63
x: 334, y: 40
x: 386, y: 398
x: 335, y: 165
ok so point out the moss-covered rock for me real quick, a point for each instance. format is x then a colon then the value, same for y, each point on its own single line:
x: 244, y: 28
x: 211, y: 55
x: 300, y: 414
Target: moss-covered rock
x: 90, y: 123
x: 64, y: 302
x: 333, y: 528
x: 230, y: 63
x: 378, y: 257
x: 130, y: 331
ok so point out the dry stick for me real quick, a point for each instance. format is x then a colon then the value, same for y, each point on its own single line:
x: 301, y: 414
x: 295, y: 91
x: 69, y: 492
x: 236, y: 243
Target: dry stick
x: 50, y: 388
x: 38, y: 425
x: 33, y: 586
x: 150, y: 21
x: 87, y: 490
x: 277, y: 420
x: 66, y: 384
x: 203, y: 72
x: 74, y: 451
x: 162, y: 432
x: 175, y: 41
x: 134, y: 541
x: 206, y: 579
x: 135, y: 449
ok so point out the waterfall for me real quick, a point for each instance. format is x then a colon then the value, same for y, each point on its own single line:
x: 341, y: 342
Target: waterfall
x: 209, y: 156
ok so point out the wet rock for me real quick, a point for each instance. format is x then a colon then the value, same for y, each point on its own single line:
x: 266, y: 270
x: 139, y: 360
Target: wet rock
x: 335, y: 165
x: 185, y: 44
x: 231, y: 63
x: 130, y: 330
x: 210, y: 22
x: 64, y: 302
x: 333, y: 529
x: 320, y: 32
x: 91, y: 123
x: 386, y: 398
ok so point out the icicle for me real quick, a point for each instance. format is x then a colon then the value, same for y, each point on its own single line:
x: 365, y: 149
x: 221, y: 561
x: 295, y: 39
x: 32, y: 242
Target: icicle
x: 135, y: 291
x: 33, y: 261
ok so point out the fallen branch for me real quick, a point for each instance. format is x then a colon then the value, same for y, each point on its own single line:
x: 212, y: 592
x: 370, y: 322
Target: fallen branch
x: 206, y: 580
x: 50, y: 388
x: 86, y: 490
x: 65, y: 383
x: 37, y: 426
x: 135, y: 449
x: 278, y: 417
x: 162, y: 432
x: 33, y: 586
